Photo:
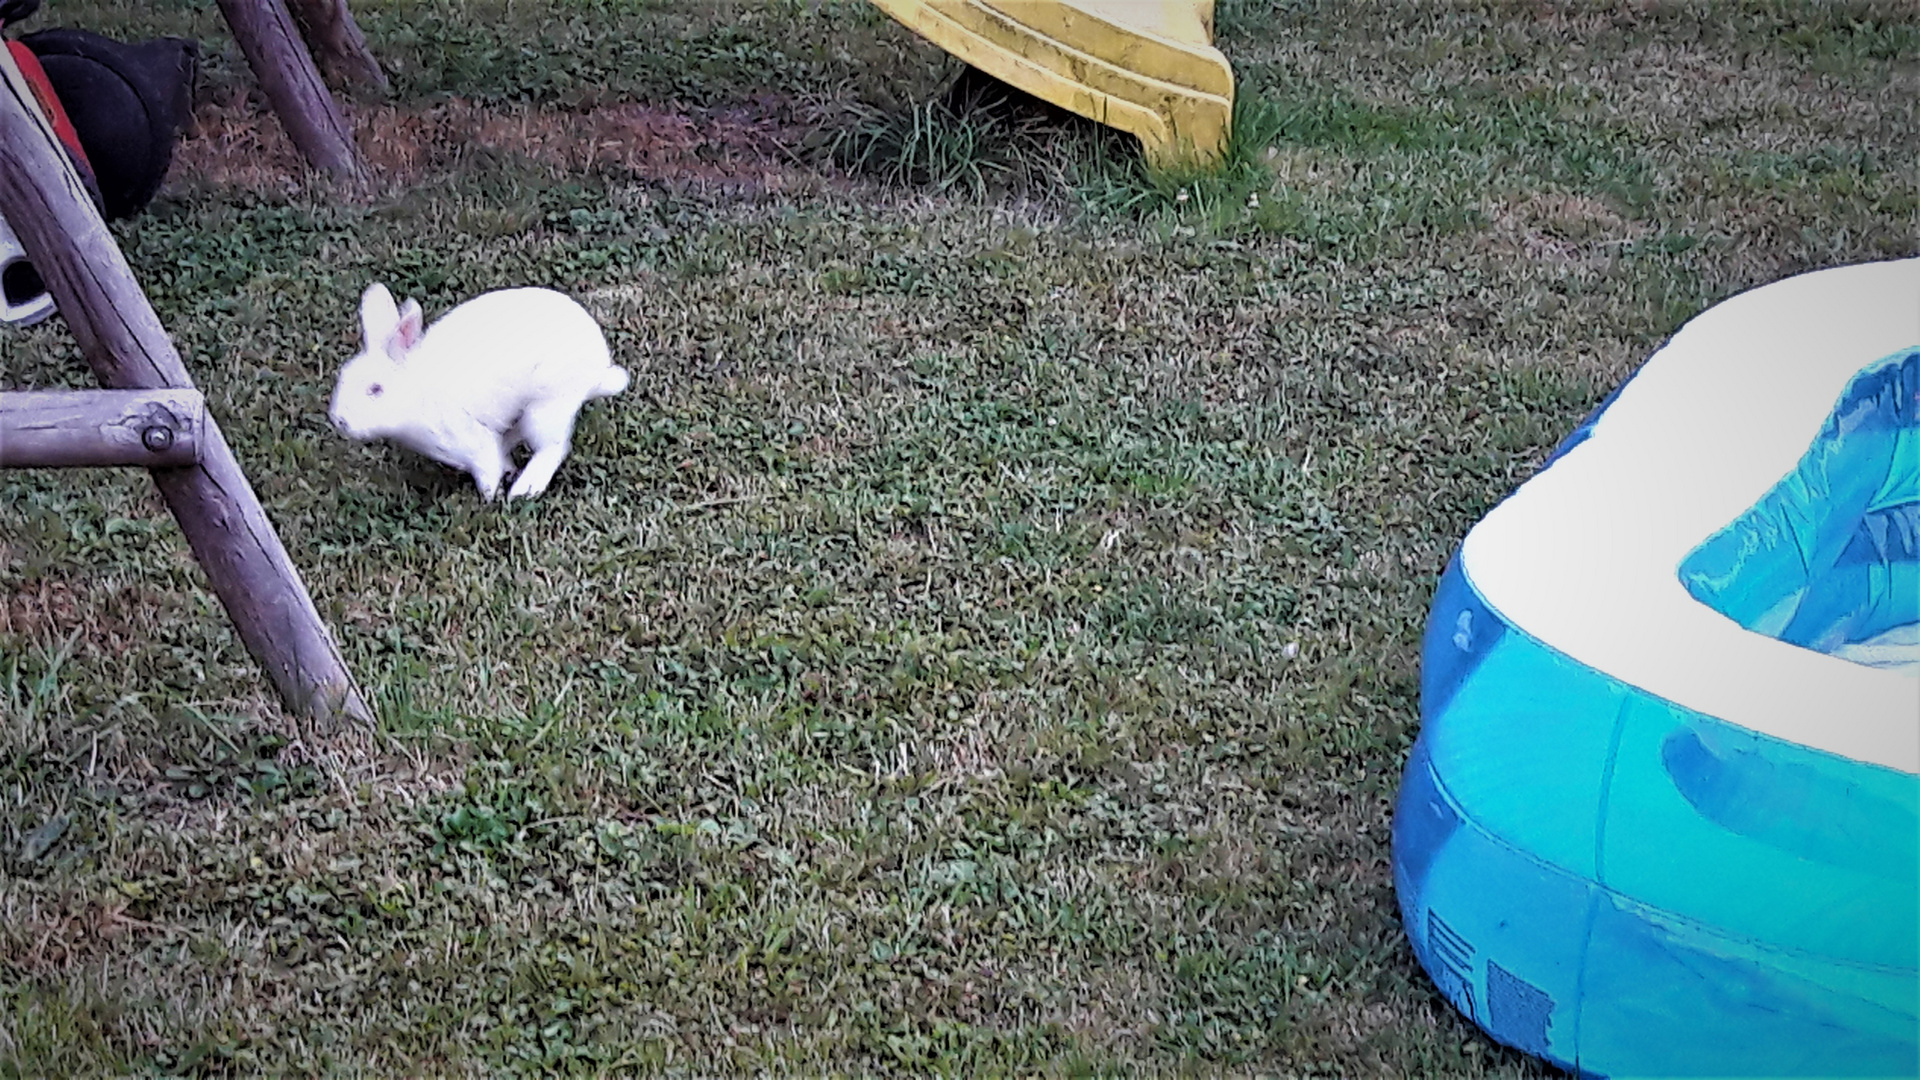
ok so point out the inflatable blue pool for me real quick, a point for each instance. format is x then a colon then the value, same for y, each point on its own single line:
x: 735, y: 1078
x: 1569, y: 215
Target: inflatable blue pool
x: 1663, y: 816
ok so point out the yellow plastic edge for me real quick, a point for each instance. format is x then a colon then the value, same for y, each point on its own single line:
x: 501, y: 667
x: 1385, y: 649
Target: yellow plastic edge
x: 1095, y: 57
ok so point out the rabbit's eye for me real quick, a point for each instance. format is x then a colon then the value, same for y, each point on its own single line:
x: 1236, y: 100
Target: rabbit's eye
x: 376, y: 390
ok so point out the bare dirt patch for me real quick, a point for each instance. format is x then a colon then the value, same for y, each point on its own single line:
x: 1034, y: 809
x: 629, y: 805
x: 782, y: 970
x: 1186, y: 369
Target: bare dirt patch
x: 746, y: 148
x: 1562, y: 231
x: 42, y: 609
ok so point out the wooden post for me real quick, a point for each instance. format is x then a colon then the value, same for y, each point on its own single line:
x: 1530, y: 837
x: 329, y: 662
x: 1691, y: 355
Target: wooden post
x: 50, y: 429
x: 337, y: 44
x: 127, y: 348
x: 266, y: 34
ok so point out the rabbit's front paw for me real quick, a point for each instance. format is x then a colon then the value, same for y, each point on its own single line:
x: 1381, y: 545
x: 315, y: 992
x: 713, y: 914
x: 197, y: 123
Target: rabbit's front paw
x: 487, y: 479
x: 533, y: 479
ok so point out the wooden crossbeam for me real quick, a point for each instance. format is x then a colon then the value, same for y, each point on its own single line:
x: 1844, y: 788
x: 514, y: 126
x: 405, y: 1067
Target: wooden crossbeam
x: 149, y: 429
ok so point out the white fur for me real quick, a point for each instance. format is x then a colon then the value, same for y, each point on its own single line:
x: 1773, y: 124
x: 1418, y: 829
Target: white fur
x: 505, y: 368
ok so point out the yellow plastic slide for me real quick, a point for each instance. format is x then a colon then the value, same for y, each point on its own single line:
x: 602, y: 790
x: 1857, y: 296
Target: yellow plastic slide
x: 1147, y: 67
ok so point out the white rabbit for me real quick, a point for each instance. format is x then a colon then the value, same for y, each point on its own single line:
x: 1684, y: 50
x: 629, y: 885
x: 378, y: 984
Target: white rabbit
x: 507, y: 367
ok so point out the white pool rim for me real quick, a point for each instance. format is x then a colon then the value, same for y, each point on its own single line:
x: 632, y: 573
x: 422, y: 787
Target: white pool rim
x: 1585, y: 556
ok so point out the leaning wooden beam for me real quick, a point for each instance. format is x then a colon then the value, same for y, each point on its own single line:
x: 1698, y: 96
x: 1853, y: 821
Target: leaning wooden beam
x: 52, y: 429
x: 337, y: 44
x: 300, y: 98
x: 128, y: 349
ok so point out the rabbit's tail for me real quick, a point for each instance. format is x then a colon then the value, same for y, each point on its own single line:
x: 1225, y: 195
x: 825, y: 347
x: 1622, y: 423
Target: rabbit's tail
x: 614, y: 381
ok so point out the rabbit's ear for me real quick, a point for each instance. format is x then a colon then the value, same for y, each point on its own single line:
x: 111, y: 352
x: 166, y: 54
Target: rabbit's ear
x: 406, y: 331
x: 378, y: 316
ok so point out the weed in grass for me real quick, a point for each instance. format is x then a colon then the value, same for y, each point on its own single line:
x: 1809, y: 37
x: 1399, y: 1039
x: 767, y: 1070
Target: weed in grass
x: 980, y: 136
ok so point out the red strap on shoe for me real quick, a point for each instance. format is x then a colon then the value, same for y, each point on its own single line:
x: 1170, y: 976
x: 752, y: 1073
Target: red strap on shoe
x: 49, y: 103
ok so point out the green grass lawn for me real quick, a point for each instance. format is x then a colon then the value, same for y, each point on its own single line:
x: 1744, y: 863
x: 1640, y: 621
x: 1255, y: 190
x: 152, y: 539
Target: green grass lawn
x: 984, y: 639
